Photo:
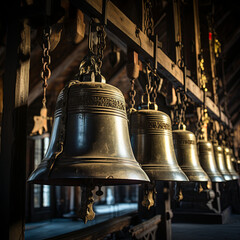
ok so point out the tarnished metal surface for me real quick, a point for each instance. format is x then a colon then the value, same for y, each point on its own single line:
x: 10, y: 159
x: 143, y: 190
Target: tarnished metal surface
x: 207, y: 161
x: 230, y: 167
x: 152, y: 143
x: 186, y: 152
x: 96, y: 147
x: 219, y: 157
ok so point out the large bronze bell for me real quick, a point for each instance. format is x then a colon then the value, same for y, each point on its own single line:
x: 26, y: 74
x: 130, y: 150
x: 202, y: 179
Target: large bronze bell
x: 186, y: 152
x: 152, y: 143
x: 95, y: 149
x: 230, y: 167
x: 219, y: 157
x: 207, y: 161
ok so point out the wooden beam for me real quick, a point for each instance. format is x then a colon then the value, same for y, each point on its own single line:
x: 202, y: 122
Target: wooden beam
x: 78, y: 52
x: 234, y: 38
x: 14, y: 121
x: 125, y: 29
x: 100, y: 230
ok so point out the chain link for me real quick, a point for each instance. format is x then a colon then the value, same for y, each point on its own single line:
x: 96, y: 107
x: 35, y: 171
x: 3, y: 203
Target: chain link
x: 148, y: 25
x: 132, y: 93
x: 180, y: 108
x: 101, y: 45
x: 46, y: 61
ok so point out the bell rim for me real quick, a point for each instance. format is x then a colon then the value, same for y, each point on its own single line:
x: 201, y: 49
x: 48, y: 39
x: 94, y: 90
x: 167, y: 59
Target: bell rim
x: 154, y: 170
x: 86, y: 181
x: 194, y: 174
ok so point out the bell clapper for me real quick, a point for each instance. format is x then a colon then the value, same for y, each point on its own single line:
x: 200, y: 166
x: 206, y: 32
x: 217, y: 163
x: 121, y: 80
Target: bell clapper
x: 180, y: 194
x: 99, y: 193
x: 40, y: 121
x: 149, y: 193
x: 200, y: 188
x: 86, y: 212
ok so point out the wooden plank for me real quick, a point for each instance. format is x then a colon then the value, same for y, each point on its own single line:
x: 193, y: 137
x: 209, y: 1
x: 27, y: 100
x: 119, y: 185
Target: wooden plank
x: 144, y: 229
x: 58, y: 71
x: 212, y: 107
x: 125, y: 29
x: 14, y: 121
x: 100, y: 230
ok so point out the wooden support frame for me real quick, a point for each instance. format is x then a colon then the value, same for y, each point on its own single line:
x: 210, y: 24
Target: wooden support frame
x: 100, y: 230
x: 120, y: 25
x: 14, y: 124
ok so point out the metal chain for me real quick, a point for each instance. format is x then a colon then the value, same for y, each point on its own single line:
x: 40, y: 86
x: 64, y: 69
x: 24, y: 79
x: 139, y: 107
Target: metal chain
x: 46, y: 61
x: 132, y: 93
x: 148, y: 18
x: 101, y: 45
x: 155, y: 86
x: 180, y: 108
x: 148, y: 87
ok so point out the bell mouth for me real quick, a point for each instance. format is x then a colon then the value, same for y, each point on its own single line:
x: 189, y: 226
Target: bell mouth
x: 163, y: 173
x: 215, y: 178
x: 85, y: 182
x: 227, y: 177
x: 97, y: 172
x: 195, y: 175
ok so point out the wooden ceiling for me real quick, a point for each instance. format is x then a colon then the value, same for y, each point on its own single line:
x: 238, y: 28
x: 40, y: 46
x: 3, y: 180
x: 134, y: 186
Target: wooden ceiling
x: 68, y: 52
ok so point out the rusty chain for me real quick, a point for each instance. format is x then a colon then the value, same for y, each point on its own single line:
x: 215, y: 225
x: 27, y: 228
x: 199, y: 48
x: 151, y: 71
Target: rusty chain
x: 101, y: 45
x: 132, y: 93
x: 148, y: 25
x: 46, y: 61
x: 180, y: 108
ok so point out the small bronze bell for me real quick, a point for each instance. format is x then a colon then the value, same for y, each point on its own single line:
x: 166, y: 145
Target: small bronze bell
x: 152, y: 144
x: 186, y: 152
x: 207, y: 161
x: 219, y: 157
x: 230, y: 167
x: 90, y: 142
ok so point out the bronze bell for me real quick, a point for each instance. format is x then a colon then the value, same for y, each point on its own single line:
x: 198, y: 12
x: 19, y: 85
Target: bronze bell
x: 152, y: 144
x: 219, y: 157
x: 230, y: 167
x: 186, y: 152
x: 90, y: 141
x: 207, y: 161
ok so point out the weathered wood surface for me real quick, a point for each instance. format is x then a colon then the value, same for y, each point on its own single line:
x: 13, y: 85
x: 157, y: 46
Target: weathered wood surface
x: 124, y: 28
x: 71, y: 61
x: 100, y: 230
x: 146, y: 229
x: 13, y: 138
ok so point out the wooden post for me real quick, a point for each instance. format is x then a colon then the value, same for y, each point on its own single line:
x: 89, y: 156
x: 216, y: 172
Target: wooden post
x: 197, y: 39
x: 217, y: 200
x: 163, y: 202
x: 162, y: 207
x: 14, y: 122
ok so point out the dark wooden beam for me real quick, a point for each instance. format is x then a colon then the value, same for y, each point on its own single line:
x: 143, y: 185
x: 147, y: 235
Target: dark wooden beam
x: 14, y: 121
x: 197, y: 39
x: 234, y: 104
x: 234, y: 87
x: 235, y: 118
x: 234, y: 38
x: 223, y: 18
x: 73, y: 59
x: 100, y: 230
x: 125, y: 29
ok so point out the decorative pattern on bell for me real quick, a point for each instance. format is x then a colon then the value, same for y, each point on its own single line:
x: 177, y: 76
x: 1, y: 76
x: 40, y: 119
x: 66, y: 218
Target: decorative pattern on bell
x: 207, y: 161
x: 186, y: 152
x: 230, y: 167
x: 219, y: 157
x: 95, y: 149
x: 152, y: 144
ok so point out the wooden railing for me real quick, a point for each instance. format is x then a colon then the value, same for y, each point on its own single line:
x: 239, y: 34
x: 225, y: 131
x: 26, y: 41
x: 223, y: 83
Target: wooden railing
x: 124, y: 29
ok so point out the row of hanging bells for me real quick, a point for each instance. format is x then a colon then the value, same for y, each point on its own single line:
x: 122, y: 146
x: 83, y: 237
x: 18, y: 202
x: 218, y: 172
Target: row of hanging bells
x: 90, y: 144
